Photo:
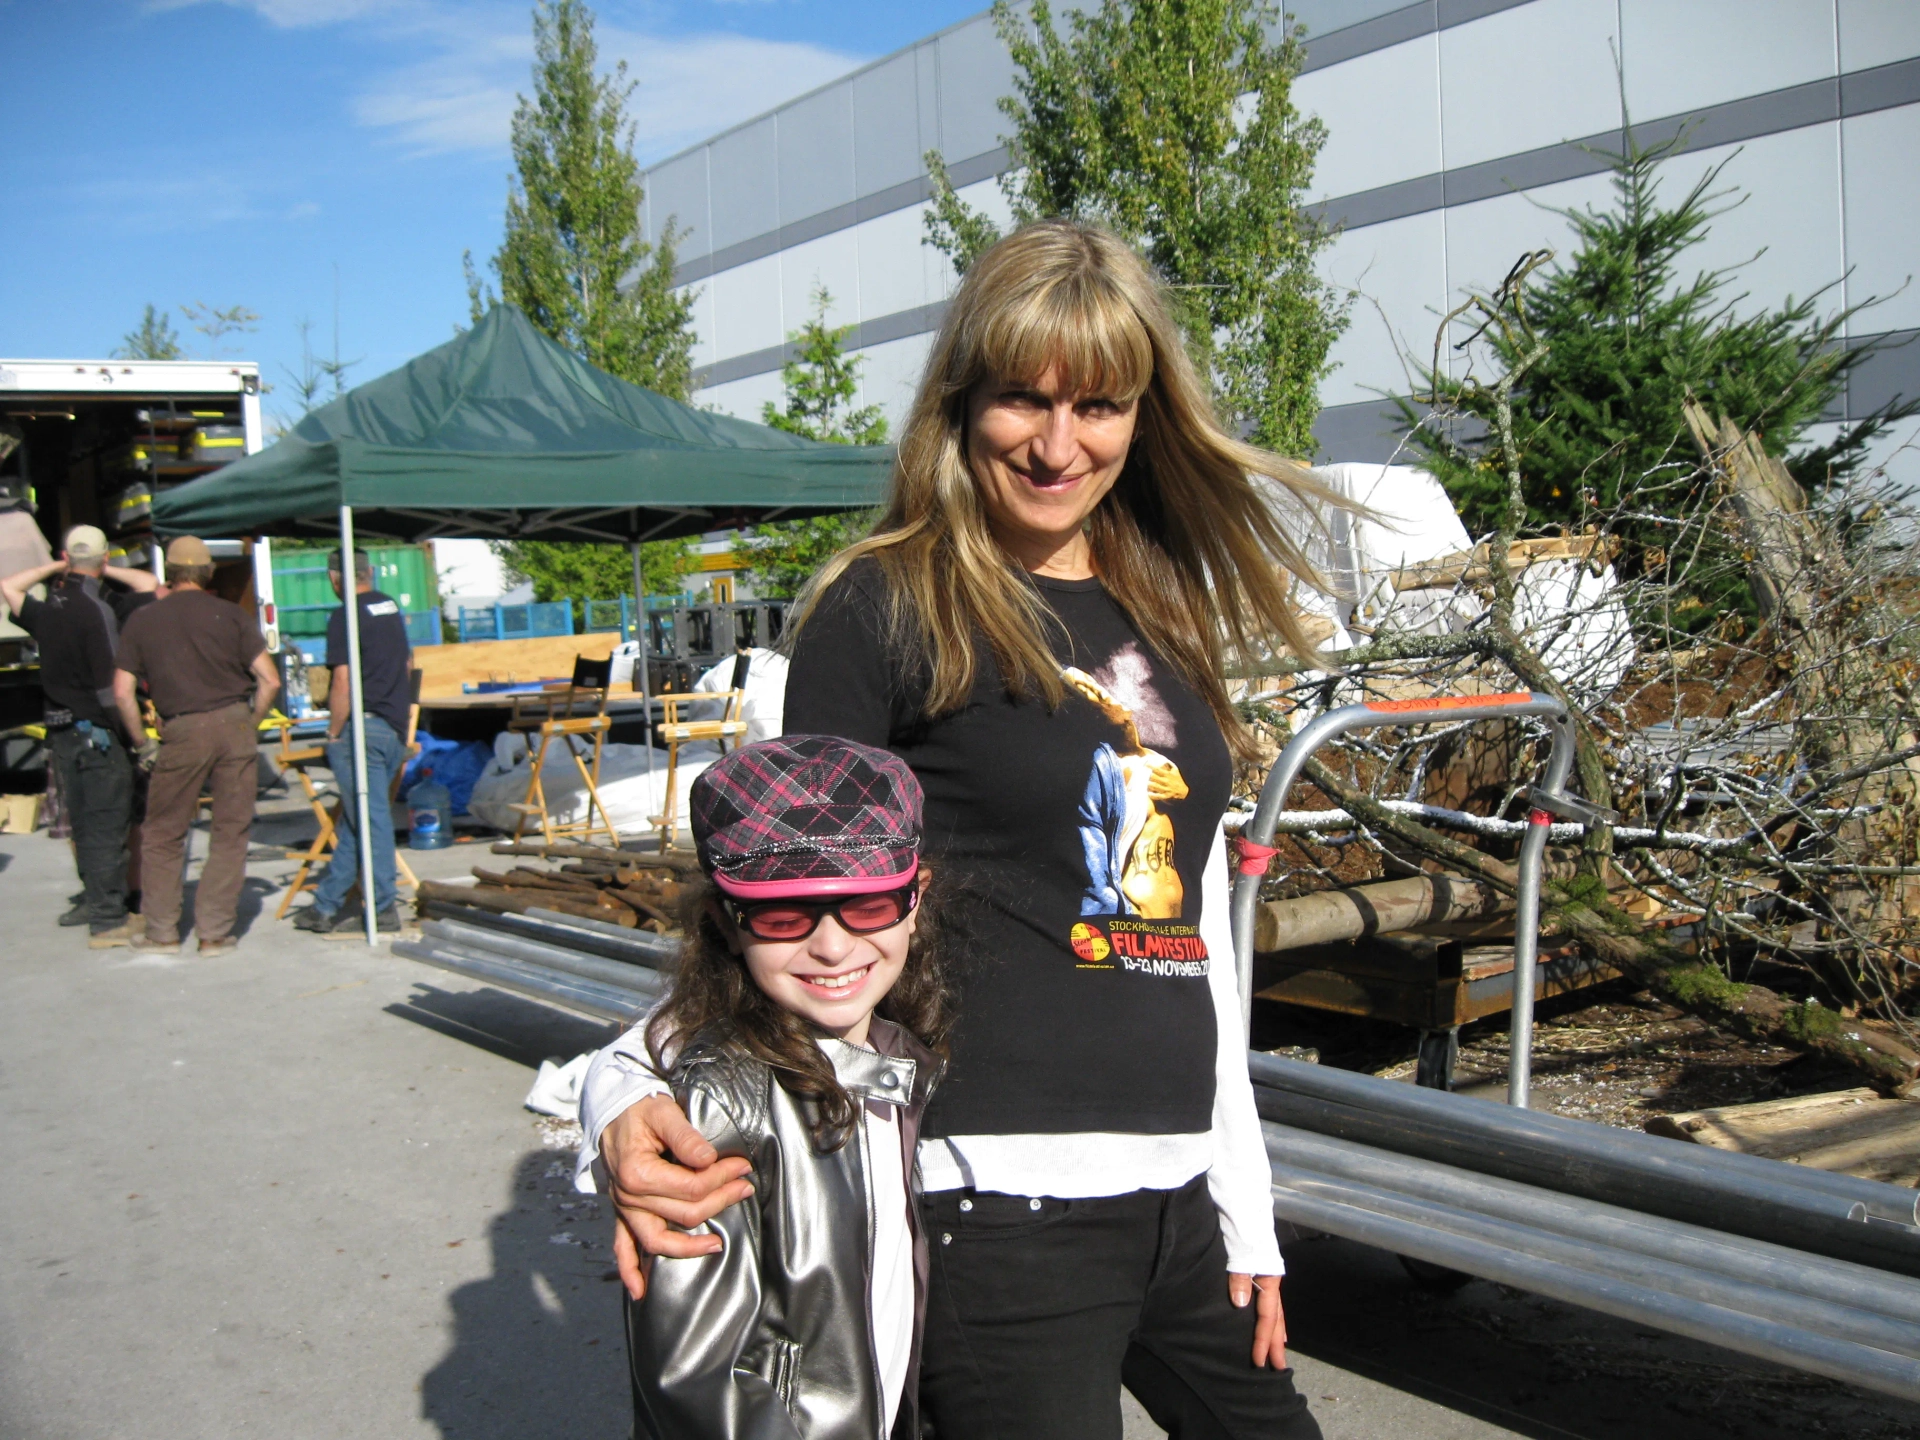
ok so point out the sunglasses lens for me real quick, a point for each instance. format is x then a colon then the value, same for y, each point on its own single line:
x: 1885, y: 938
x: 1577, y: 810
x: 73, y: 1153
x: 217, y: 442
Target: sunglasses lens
x: 863, y: 914
x: 782, y: 922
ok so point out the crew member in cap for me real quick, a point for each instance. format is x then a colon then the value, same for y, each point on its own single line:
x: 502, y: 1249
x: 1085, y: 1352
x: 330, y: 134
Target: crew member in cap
x: 77, y: 628
x: 386, y: 664
x: 203, y: 659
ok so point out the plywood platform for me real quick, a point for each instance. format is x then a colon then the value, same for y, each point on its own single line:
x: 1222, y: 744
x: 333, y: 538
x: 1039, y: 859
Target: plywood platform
x: 444, y: 669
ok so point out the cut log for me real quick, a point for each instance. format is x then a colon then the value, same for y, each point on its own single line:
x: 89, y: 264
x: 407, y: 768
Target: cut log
x: 1852, y: 1132
x: 522, y: 879
x: 520, y: 901
x: 645, y: 904
x: 682, y: 861
x: 1378, y: 909
x: 554, y: 877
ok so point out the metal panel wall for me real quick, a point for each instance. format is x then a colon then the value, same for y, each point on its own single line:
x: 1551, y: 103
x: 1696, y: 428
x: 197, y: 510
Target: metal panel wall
x: 816, y: 153
x: 975, y: 71
x: 745, y: 182
x: 1706, y: 52
x: 1528, y: 77
x: 887, y: 144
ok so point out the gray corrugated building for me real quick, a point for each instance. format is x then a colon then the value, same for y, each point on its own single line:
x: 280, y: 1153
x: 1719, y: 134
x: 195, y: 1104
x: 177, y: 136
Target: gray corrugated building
x: 1452, y: 125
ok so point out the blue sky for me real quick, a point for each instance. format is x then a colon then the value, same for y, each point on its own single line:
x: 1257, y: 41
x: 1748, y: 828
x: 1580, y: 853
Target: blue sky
x: 234, y: 152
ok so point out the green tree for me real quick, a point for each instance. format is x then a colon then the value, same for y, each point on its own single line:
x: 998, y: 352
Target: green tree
x: 821, y: 383
x: 1139, y: 117
x: 215, y: 323
x: 1626, y: 340
x: 561, y: 570
x: 573, y: 257
x: 153, y: 339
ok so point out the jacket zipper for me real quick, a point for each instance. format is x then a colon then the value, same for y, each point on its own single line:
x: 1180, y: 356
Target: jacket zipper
x: 873, y: 1241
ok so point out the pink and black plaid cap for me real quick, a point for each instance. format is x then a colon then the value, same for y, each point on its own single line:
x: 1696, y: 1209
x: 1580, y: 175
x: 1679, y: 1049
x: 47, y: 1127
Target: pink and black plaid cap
x: 807, y: 815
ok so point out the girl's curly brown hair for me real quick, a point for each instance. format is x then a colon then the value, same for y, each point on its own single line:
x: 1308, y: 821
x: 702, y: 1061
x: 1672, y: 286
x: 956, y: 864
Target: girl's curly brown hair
x: 712, y: 994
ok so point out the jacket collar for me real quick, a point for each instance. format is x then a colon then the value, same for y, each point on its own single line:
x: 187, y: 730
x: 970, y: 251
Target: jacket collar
x: 898, y: 1069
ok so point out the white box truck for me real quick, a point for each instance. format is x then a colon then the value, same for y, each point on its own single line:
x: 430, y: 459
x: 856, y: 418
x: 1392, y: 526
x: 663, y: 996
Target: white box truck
x: 91, y: 442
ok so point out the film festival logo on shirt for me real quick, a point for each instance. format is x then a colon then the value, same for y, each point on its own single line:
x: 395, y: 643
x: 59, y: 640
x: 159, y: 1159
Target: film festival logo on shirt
x: 1146, y: 947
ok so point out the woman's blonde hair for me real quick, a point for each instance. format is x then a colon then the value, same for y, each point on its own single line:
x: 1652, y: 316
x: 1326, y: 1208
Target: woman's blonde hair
x: 1184, y: 542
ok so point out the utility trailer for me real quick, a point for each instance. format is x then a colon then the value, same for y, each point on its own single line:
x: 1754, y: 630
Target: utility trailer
x: 92, y: 442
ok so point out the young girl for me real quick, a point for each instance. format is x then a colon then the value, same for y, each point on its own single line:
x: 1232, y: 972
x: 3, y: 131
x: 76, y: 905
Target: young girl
x: 808, y: 1320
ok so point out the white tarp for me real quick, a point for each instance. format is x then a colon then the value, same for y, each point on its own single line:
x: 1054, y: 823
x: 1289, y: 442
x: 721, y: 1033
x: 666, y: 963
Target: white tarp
x: 1573, y: 615
x: 631, y: 797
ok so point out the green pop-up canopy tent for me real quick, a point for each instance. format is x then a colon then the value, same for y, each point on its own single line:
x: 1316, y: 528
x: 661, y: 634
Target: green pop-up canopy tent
x: 502, y: 433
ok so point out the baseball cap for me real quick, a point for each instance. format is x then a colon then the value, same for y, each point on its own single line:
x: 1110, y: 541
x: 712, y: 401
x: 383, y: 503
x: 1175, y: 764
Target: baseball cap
x: 807, y: 815
x: 188, y: 550
x: 86, y: 542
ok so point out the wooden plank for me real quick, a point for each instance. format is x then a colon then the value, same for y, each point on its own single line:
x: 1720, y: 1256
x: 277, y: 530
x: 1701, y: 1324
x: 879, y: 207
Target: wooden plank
x: 1852, y: 1132
x: 445, y: 668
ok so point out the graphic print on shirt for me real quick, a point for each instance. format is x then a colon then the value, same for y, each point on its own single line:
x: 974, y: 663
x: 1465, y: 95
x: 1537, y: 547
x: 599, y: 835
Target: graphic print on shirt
x: 1134, y: 898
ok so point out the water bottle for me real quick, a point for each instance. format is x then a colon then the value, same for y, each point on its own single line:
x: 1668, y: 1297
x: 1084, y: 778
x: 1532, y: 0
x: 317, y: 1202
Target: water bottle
x: 429, y: 815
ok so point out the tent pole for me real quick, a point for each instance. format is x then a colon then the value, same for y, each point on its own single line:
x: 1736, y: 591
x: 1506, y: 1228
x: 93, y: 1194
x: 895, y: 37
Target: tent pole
x: 642, y: 632
x: 357, y: 694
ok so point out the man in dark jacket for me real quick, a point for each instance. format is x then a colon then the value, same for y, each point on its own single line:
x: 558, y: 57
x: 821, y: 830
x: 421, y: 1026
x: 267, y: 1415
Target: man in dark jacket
x: 202, y: 658
x: 386, y: 663
x: 77, y: 628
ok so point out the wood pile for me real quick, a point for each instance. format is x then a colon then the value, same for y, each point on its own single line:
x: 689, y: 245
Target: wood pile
x: 621, y: 887
x: 1854, y: 1132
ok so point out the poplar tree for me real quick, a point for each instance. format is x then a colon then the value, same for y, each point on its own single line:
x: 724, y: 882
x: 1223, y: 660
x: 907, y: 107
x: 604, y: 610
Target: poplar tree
x: 573, y: 257
x: 574, y: 260
x: 1172, y: 121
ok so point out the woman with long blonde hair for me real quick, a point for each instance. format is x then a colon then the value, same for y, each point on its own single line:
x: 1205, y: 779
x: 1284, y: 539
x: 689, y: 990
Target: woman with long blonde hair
x: 1073, y: 551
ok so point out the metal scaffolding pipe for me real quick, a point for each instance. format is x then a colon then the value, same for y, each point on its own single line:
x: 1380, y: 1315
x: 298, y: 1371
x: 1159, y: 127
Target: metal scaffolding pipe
x: 603, y: 1002
x: 1820, y: 1317
x: 620, y: 974
x: 659, y: 951
x: 1743, y: 1205
x: 1785, y: 1345
x: 1504, y: 1137
x: 1778, y: 1267
x: 639, y: 947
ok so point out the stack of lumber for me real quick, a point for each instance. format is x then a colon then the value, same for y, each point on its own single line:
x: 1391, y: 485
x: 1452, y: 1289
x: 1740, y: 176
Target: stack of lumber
x: 1852, y: 1132
x: 593, y: 882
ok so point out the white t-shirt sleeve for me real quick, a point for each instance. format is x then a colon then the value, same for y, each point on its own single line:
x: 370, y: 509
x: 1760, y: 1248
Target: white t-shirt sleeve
x: 1239, y: 1179
x: 620, y: 1076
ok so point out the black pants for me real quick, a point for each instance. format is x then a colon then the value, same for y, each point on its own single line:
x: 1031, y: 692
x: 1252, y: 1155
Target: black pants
x: 97, y: 786
x: 1039, y: 1311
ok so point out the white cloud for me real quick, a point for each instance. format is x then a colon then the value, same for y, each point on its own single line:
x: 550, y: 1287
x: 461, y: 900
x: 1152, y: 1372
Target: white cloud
x: 472, y: 59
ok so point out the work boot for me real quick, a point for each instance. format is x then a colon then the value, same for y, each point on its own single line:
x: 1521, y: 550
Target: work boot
x: 314, y: 920
x: 148, y: 944
x: 352, y: 923
x: 387, y: 922
x: 106, y: 937
x: 225, y: 945
x: 78, y: 914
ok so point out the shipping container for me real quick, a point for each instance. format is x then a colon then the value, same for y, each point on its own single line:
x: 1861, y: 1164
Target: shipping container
x: 304, y: 596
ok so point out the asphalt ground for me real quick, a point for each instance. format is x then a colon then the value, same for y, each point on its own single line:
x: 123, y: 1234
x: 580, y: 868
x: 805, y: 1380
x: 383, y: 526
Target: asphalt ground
x: 293, y: 1192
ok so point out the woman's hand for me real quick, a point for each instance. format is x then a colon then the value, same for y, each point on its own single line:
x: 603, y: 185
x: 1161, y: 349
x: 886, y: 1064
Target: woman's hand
x: 651, y: 1193
x: 1269, y: 1324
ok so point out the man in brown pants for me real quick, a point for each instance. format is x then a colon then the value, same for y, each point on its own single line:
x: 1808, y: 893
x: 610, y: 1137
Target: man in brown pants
x: 201, y: 657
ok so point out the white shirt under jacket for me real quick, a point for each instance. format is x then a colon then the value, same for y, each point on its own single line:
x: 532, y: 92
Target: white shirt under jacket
x: 1075, y: 1166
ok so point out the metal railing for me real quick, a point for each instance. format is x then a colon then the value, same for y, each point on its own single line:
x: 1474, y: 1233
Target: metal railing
x: 1549, y: 798
x: 516, y: 622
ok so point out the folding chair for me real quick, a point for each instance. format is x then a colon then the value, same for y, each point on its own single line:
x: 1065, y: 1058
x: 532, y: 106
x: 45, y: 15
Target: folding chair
x: 573, y: 713
x: 677, y: 732
x: 326, y: 805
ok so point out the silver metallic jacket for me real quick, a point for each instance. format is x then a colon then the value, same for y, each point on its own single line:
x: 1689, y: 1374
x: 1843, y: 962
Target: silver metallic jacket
x: 772, y: 1338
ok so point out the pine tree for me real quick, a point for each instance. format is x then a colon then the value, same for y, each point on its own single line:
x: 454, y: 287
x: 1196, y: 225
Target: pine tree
x: 153, y: 339
x: 1626, y: 342
x: 1138, y: 118
x: 821, y: 383
x: 573, y: 258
